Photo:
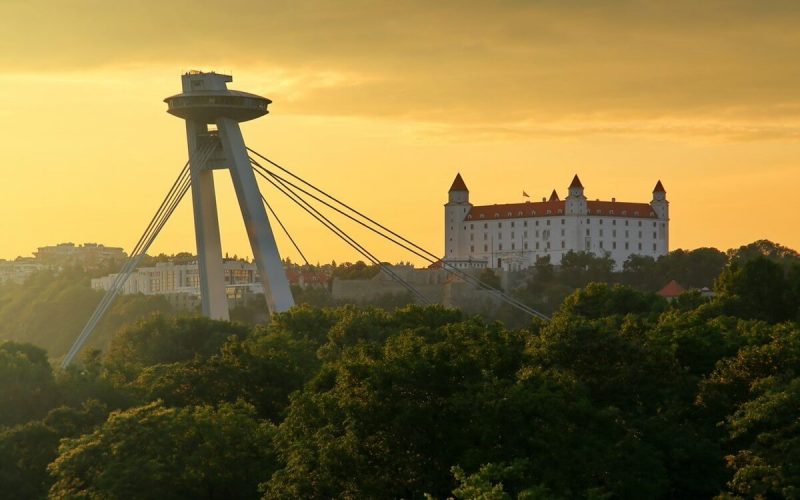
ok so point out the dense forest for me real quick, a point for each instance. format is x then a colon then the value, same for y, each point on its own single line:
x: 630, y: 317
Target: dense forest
x: 621, y: 395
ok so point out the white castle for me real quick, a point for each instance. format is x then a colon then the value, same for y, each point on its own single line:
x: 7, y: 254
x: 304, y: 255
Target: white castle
x: 513, y: 236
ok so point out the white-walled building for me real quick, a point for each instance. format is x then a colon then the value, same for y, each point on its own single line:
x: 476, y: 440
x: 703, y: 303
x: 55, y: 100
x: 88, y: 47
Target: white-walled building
x: 169, y: 278
x: 512, y: 236
x: 18, y: 270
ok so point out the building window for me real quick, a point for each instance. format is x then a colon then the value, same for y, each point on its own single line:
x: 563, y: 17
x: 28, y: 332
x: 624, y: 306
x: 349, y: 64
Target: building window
x: 525, y: 234
x: 601, y: 232
x: 640, y: 223
x: 640, y: 236
x: 500, y: 246
x: 512, y: 223
x: 485, y: 248
x: 654, y: 224
x: 499, y: 224
x: 562, y: 222
x: 472, y: 226
x: 601, y: 243
x: 513, y: 246
x: 587, y: 231
x: 500, y: 236
x: 537, y: 233
x: 654, y: 235
x: 626, y: 223
x: 526, y: 245
x: 626, y: 245
x: 471, y: 237
x: 472, y: 248
x: 537, y: 245
x: 613, y: 245
x: 485, y: 225
x: 654, y: 247
x: 614, y: 233
x: 562, y: 232
x: 588, y: 221
x: 548, y: 245
x: 626, y: 233
x: 512, y: 235
x: 601, y: 222
x: 640, y: 246
x: 562, y: 243
x: 537, y: 222
x: 525, y: 223
x: 548, y: 222
x: 614, y: 222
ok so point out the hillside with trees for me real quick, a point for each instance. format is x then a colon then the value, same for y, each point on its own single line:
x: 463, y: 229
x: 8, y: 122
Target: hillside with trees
x: 622, y: 395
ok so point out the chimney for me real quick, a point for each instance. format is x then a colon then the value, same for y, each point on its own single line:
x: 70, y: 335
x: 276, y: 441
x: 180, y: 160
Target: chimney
x: 613, y: 200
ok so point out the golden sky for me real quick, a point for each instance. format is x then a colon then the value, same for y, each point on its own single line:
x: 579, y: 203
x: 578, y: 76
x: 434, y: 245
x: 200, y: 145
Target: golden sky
x: 383, y: 102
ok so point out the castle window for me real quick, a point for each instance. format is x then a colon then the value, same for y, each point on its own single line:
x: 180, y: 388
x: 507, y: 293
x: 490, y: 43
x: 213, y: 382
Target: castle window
x: 465, y: 228
x: 597, y: 211
x: 601, y: 222
x: 512, y: 235
x: 485, y: 248
x: 526, y: 245
x: 472, y: 237
x: 614, y: 222
x: 485, y: 225
x: 652, y: 214
x: 624, y: 212
x: 562, y: 232
x: 654, y: 235
x: 562, y: 222
x: 614, y: 233
x: 485, y: 236
x: 611, y: 212
x: 513, y: 246
x: 482, y: 216
x: 560, y: 211
x: 613, y: 245
x: 525, y: 234
x: 499, y: 224
x: 549, y: 211
x: 548, y: 245
x: 519, y: 213
x: 509, y: 214
x: 640, y: 236
x: 626, y: 245
x: 469, y: 216
x: 626, y: 233
x: 654, y: 224
x: 548, y: 222
x: 500, y: 246
x: 537, y: 233
x: 525, y: 223
x: 537, y: 245
x: 472, y: 248
x: 601, y: 243
x: 587, y: 231
x: 537, y: 222
x: 562, y: 243
x: 626, y: 223
x: 654, y: 247
x: 472, y: 226
x: 500, y: 236
x: 512, y: 223
x: 636, y: 214
x: 496, y: 215
x: 640, y: 246
x: 588, y: 221
x: 640, y: 223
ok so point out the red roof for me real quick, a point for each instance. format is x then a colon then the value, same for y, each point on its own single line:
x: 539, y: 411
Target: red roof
x: 556, y: 207
x: 671, y: 290
x: 576, y: 183
x: 659, y: 188
x: 553, y: 196
x: 458, y: 184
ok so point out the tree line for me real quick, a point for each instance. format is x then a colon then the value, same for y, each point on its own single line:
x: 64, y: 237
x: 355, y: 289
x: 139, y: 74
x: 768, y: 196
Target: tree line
x: 622, y: 395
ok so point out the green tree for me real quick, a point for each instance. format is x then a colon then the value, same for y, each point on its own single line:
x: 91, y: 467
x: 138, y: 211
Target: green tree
x: 157, y: 452
x: 27, y: 385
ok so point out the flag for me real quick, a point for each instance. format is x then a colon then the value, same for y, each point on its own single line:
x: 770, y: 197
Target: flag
x: 525, y: 194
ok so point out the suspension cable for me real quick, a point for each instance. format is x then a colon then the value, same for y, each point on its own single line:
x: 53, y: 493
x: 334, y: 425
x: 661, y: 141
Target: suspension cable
x: 310, y: 209
x: 176, y: 193
x: 430, y: 256
x: 278, y: 220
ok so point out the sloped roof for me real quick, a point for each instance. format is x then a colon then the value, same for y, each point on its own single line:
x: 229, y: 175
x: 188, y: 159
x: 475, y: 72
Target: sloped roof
x: 671, y: 290
x: 553, y: 196
x: 659, y: 188
x: 458, y: 184
x: 576, y: 183
x: 557, y: 207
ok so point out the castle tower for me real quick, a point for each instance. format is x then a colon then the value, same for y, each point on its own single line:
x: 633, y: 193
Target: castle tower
x: 661, y: 208
x: 455, y: 211
x: 206, y: 101
x: 576, y: 201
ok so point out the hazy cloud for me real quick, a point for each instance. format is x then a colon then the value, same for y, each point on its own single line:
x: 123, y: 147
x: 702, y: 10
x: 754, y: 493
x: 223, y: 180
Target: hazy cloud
x: 498, y: 67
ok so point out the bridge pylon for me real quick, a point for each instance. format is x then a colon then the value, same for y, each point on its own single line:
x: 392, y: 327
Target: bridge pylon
x: 212, y: 113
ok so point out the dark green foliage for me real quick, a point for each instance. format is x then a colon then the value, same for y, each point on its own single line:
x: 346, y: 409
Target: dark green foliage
x: 27, y: 387
x: 157, y: 452
x: 621, y: 395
